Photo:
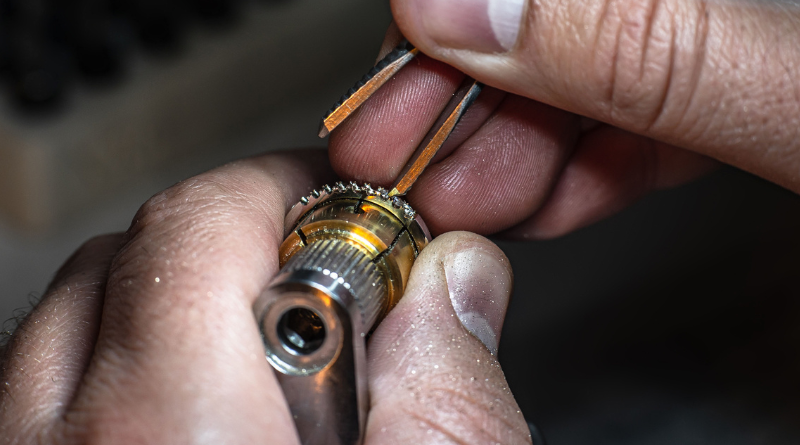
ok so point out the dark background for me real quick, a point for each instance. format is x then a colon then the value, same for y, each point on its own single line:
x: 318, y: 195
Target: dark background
x: 674, y: 322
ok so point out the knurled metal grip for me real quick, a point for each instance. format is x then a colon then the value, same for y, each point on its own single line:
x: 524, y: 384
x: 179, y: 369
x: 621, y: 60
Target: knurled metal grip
x: 351, y: 268
x: 345, y: 263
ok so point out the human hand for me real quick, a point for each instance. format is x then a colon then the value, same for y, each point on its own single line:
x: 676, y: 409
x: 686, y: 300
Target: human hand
x: 675, y: 82
x: 149, y: 337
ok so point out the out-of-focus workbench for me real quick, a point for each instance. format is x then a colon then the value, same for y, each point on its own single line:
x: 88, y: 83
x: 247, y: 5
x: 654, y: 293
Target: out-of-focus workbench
x: 171, y: 107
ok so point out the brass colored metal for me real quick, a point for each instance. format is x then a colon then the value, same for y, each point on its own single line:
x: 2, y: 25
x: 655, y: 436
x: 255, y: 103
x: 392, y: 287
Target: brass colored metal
x: 461, y: 101
x: 372, y: 224
x: 345, y: 262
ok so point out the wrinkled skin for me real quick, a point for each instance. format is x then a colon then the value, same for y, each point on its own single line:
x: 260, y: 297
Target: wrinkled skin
x: 598, y: 103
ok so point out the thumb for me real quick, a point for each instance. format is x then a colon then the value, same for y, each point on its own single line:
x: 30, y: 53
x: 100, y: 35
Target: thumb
x: 433, y: 375
x: 720, y: 78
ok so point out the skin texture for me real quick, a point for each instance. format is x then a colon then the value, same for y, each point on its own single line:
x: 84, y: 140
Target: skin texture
x: 600, y: 102
x: 149, y: 336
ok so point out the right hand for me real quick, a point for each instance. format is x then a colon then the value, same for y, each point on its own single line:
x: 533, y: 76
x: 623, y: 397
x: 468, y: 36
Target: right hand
x: 675, y: 84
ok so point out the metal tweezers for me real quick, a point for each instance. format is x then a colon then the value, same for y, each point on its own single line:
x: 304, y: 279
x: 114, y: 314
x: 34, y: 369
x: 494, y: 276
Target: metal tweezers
x: 404, y: 53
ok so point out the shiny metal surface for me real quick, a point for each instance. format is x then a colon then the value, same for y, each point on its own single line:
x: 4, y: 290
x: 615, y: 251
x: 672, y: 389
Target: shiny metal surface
x: 326, y: 389
x: 344, y: 264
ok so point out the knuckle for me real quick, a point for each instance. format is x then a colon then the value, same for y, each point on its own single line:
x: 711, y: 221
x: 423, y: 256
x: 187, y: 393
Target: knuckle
x: 174, y: 225
x: 179, y: 237
x: 188, y: 197
x: 650, y: 53
x: 188, y: 213
x: 205, y: 203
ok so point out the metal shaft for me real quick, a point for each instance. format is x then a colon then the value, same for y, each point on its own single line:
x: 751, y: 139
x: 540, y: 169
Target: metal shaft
x: 345, y: 263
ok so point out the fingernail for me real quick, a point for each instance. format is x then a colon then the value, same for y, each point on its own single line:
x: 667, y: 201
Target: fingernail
x: 478, y: 25
x: 479, y: 284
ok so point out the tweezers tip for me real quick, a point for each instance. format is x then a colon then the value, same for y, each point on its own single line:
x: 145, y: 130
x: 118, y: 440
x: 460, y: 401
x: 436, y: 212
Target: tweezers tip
x: 323, y: 130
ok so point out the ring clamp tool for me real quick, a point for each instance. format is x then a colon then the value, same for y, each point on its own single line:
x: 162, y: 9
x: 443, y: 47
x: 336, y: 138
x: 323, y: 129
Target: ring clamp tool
x: 345, y: 262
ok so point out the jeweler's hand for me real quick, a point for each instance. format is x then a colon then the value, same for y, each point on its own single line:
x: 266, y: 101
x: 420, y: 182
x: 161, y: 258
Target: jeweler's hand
x: 149, y: 337
x: 718, y: 79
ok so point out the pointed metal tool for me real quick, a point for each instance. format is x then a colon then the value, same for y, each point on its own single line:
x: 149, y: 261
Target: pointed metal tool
x: 371, y: 82
x: 436, y: 137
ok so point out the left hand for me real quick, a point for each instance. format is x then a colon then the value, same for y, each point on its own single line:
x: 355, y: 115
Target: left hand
x: 149, y: 337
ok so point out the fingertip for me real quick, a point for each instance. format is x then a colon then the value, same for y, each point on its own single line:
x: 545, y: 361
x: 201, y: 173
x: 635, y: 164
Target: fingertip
x: 432, y: 372
x: 479, y: 281
x: 463, y: 277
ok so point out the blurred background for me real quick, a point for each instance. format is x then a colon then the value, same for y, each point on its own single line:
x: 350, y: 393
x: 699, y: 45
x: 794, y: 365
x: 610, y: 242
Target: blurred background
x: 676, y: 321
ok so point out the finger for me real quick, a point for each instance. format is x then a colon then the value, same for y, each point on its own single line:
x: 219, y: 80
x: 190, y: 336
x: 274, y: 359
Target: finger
x: 433, y: 375
x: 501, y: 161
x: 50, y: 349
x: 374, y: 144
x: 179, y: 358
x: 720, y: 78
x: 502, y: 173
x: 610, y: 170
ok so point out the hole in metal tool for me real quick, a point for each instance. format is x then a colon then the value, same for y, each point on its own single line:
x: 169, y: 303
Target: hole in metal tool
x: 301, y: 331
